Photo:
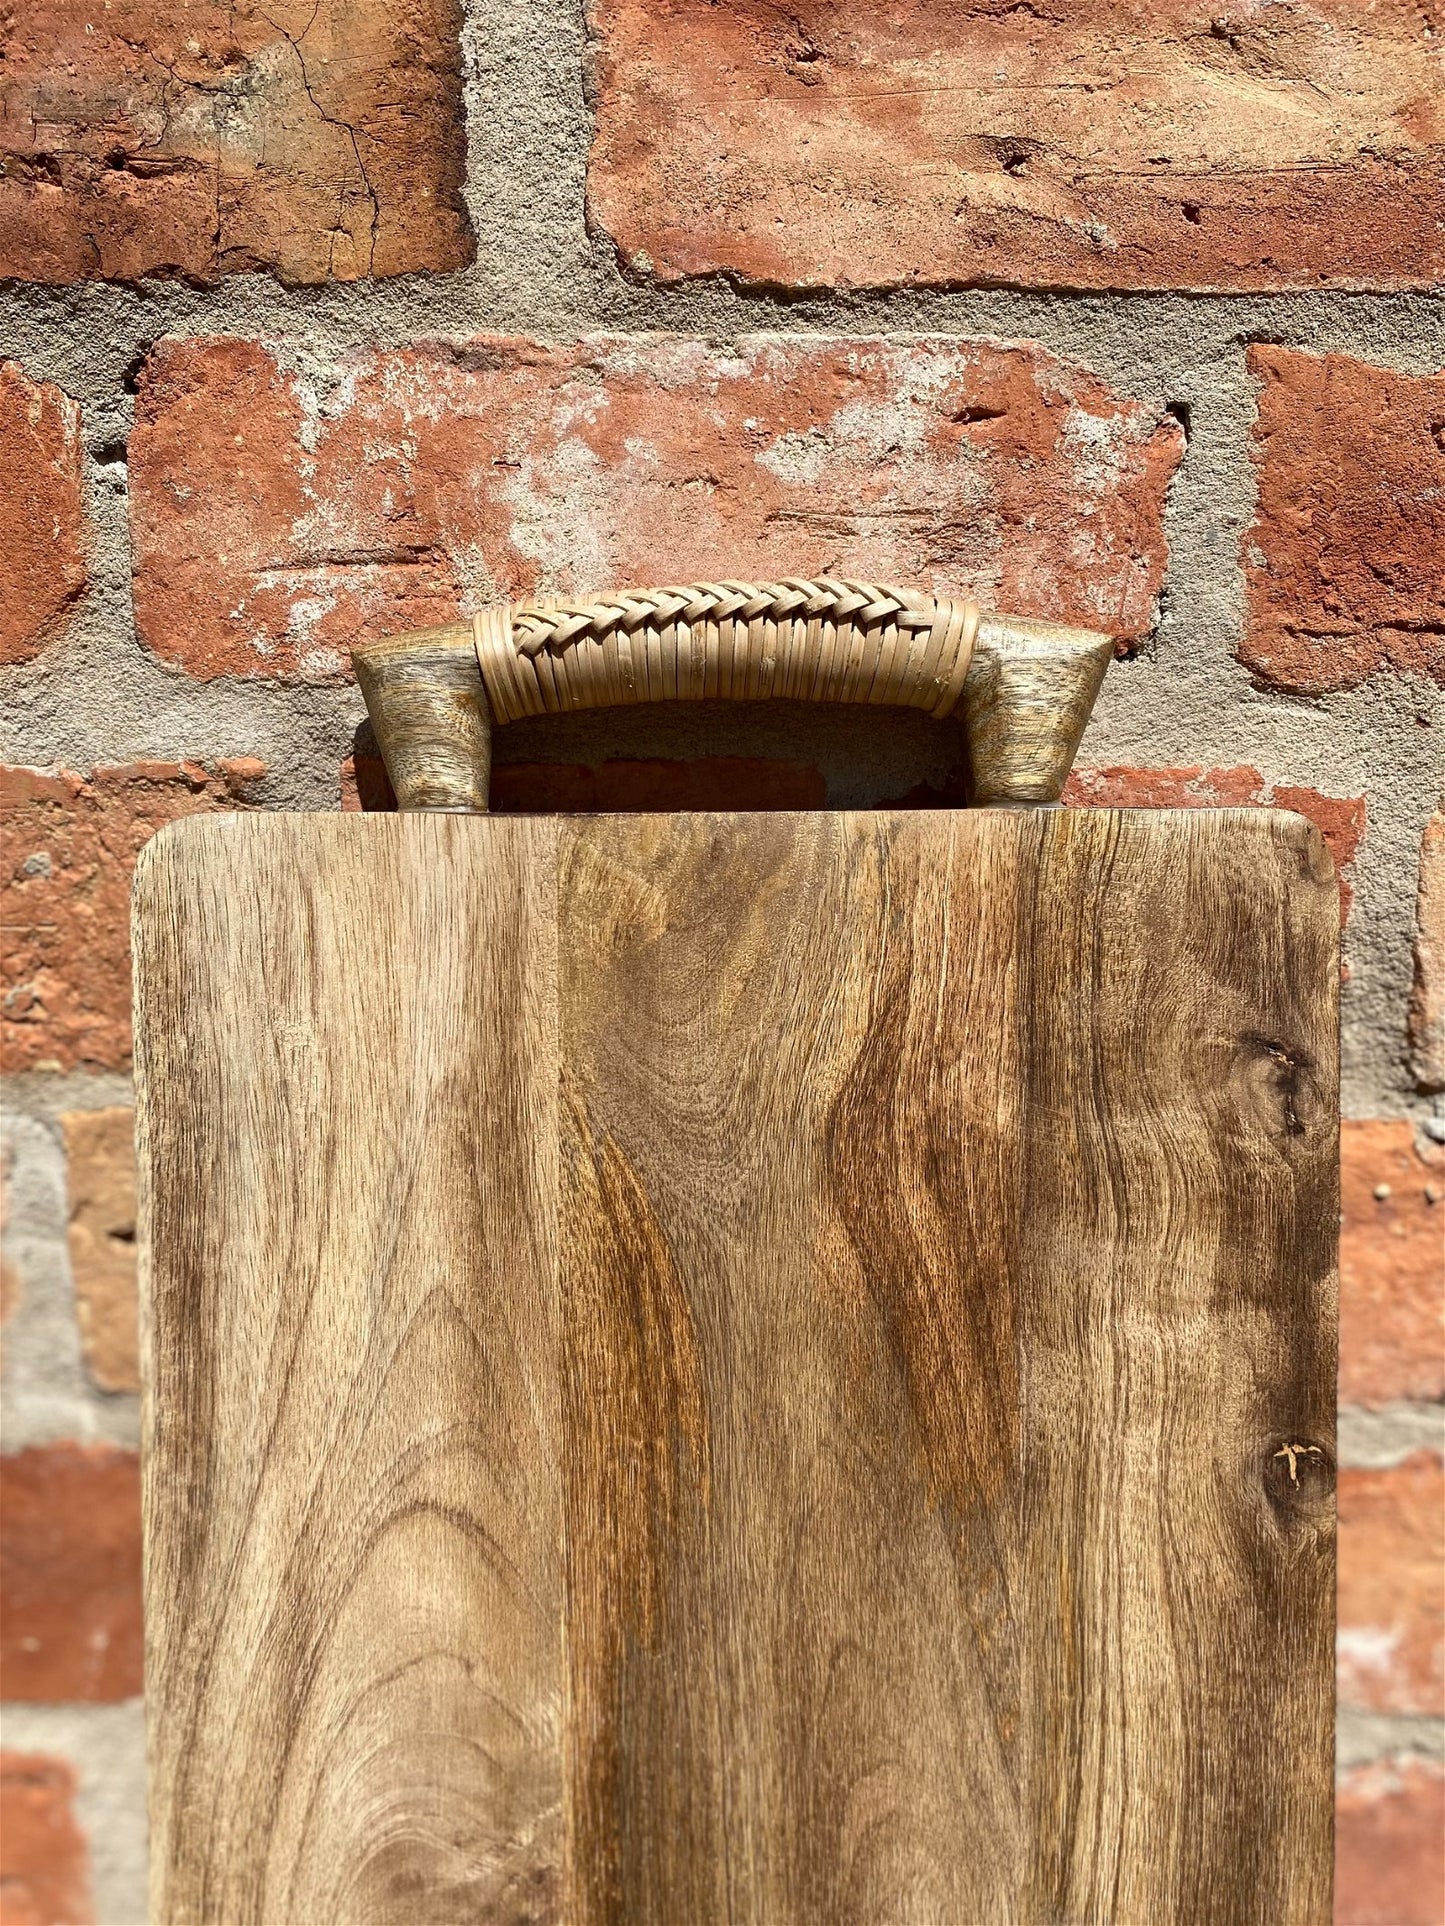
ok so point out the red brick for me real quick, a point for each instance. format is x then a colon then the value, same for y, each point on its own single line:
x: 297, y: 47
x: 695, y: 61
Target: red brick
x: 1392, y: 1264
x: 1391, y: 1640
x: 42, y: 521
x: 1427, y: 998
x: 1121, y: 786
x: 100, y: 1181
x: 1390, y: 1845
x: 1344, y: 575
x: 44, y: 1870
x: 70, y: 1560
x: 274, y: 524
x: 1062, y: 144
x: 70, y: 848
x: 319, y: 139
x: 1339, y: 819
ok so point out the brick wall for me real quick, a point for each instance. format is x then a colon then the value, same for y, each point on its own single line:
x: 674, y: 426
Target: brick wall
x: 327, y: 319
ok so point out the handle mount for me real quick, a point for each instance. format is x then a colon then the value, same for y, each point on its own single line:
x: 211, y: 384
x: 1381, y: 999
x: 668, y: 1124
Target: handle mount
x: 1025, y: 688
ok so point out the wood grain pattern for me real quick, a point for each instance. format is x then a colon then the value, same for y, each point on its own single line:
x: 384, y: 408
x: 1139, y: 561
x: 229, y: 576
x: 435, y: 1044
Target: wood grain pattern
x: 794, y: 1689
x: 353, y: 1580
x: 431, y: 717
x: 1177, y: 1248
x: 1030, y: 691
x: 874, y: 1504
x: 947, y: 1250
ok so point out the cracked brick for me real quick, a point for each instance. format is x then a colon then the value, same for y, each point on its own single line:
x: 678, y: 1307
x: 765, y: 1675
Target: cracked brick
x: 311, y: 138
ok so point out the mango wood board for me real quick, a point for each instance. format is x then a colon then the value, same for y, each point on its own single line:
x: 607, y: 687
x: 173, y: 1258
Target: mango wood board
x: 774, y: 1370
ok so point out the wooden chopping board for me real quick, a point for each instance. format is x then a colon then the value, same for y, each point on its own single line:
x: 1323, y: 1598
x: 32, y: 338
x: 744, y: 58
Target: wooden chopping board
x: 727, y: 1368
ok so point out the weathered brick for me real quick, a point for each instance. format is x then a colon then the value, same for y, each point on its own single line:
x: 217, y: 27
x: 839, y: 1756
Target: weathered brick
x: 1339, y: 819
x: 1123, y: 786
x: 1344, y: 574
x: 319, y: 139
x: 1390, y: 1845
x: 1392, y: 1264
x: 42, y: 520
x: 70, y: 1560
x: 1427, y: 998
x: 100, y: 1180
x: 1068, y: 143
x: 1391, y: 1640
x: 274, y: 523
x: 71, y: 845
x: 44, y: 1869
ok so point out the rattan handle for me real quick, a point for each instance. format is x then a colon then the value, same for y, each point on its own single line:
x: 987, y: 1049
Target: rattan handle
x: 1025, y: 688
x: 814, y: 641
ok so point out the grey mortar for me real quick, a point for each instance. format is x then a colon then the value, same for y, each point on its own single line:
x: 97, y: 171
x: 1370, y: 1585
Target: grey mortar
x: 1363, y: 1737
x: 1375, y: 1440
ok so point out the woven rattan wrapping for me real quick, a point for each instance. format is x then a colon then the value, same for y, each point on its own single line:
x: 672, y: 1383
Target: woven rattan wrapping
x: 819, y: 641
